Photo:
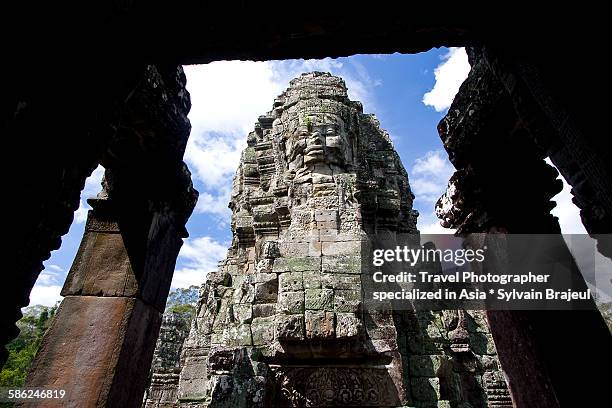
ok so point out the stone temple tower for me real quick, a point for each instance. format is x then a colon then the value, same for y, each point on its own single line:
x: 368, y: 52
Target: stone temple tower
x: 283, y: 322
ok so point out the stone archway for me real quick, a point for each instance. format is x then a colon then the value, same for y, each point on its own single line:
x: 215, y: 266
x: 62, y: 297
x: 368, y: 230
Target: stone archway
x: 66, y: 129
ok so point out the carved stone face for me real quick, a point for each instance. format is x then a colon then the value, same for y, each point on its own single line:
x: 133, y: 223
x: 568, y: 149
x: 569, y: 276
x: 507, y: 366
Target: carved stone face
x: 323, y: 140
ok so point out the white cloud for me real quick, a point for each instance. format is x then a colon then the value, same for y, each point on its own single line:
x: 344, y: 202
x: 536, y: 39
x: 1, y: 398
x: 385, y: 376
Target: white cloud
x: 435, y: 228
x: 45, y: 295
x: 91, y: 189
x: 199, y: 256
x: 227, y: 98
x: 80, y: 215
x: 215, y: 204
x: 214, y: 158
x: 428, y: 180
x: 567, y: 212
x: 449, y: 75
x: 429, y: 176
x: 428, y: 223
x: 48, y: 286
x: 51, y: 275
x: 46, y: 290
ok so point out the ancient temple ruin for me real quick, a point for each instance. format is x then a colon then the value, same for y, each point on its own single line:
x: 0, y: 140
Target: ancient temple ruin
x: 284, y: 321
x: 166, y: 365
x: 117, y: 101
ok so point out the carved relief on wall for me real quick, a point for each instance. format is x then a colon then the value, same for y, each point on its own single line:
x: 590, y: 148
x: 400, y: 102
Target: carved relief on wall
x: 333, y: 386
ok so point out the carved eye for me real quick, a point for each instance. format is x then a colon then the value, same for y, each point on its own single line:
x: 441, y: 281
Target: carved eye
x: 330, y: 131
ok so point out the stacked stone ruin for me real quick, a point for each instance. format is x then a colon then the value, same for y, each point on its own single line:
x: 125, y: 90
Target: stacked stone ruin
x: 166, y: 364
x: 283, y: 322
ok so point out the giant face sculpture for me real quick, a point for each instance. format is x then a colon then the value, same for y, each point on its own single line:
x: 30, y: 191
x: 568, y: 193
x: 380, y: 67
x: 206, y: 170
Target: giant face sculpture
x: 320, y: 139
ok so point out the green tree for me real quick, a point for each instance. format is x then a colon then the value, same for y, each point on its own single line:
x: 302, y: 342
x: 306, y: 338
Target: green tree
x: 32, y: 327
x: 183, y: 301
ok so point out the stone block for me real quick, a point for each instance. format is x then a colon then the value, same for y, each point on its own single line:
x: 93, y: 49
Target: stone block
x: 242, y: 313
x: 238, y: 335
x: 319, y: 299
x: 314, y: 248
x: 341, y: 281
x: 347, y: 300
x: 244, y: 293
x: 328, y: 234
x: 289, y: 327
x: 222, y: 317
x: 424, y: 366
x: 270, y: 250
x: 262, y: 329
x: 326, y: 215
x: 290, y: 281
x: 264, y: 277
x: 425, y: 389
x: 344, y: 264
x: 222, y: 359
x: 219, y: 278
x: 193, y: 378
x: 264, y: 310
x: 217, y: 338
x: 320, y: 324
x: 347, y: 325
x: 294, y: 249
x: 267, y: 291
x: 341, y: 248
x: 291, y: 264
x: 291, y: 302
x: 311, y: 280
x: 488, y: 362
x: 327, y: 225
x: 382, y: 332
x: 224, y: 292
x: 264, y: 266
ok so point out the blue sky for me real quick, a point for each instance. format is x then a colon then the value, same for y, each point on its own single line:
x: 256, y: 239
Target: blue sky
x: 408, y: 93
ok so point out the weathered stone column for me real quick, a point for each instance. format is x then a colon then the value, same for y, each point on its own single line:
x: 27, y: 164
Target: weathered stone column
x: 100, y: 345
x: 502, y: 184
x: 65, y: 138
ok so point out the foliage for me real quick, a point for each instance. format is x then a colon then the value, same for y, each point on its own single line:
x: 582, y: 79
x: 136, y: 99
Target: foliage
x: 606, y: 312
x: 183, y: 301
x: 33, y: 325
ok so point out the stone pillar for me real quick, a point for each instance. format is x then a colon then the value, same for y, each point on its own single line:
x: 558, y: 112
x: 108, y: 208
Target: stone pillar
x: 100, y: 345
x: 573, y: 146
x: 502, y: 184
x: 65, y: 137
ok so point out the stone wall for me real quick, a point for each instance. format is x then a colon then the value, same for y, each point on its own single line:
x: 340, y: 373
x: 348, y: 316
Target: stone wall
x: 166, y: 365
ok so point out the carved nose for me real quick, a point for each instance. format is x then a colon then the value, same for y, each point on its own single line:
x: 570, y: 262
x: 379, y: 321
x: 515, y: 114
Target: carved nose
x: 316, y: 139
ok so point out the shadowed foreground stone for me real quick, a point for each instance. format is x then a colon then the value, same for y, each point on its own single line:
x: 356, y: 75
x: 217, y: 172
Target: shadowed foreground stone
x: 112, y: 328
x: 100, y: 345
